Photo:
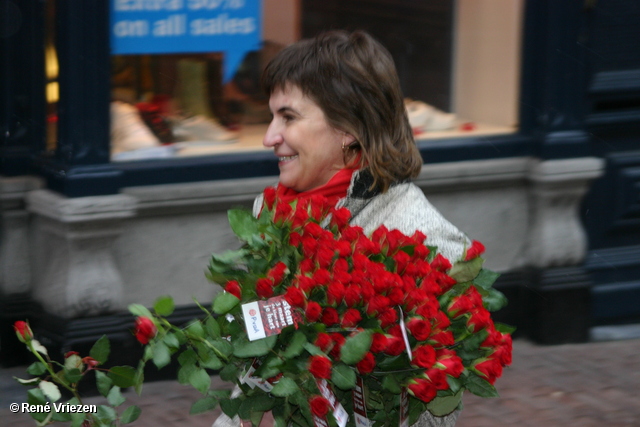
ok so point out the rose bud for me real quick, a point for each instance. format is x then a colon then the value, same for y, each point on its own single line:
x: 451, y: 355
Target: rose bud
x: 23, y: 331
x: 145, y: 329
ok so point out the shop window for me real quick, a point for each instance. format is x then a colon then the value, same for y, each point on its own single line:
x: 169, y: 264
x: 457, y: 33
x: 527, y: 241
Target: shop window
x: 458, y: 62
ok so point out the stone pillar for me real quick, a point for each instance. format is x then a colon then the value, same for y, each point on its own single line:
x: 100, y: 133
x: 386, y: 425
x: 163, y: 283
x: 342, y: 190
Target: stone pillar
x: 558, y: 301
x: 15, y: 272
x: 556, y: 235
x: 75, y: 271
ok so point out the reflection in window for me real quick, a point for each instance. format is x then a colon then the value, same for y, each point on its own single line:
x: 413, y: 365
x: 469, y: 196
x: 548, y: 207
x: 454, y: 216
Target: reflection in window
x: 458, y: 62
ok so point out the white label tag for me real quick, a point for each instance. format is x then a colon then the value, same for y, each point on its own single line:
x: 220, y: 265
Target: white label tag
x: 253, y: 321
x: 403, y: 328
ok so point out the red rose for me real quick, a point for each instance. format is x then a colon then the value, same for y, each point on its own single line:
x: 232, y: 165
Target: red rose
x: 480, y: 319
x: 459, y: 305
x: 324, y: 256
x: 295, y: 239
x: 269, y: 196
x: 350, y: 318
x: 491, y: 369
x: 233, y: 287
x: 330, y: 316
x: 366, y: 365
x: 388, y: 317
x: 322, y: 276
x: 423, y: 389
x: 277, y: 272
x: 419, y: 328
x: 395, y: 346
x: 145, y: 329
x: 319, y: 406
x: 438, y: 378
x: 264, y: 287
x: 323, y: 341
x: 295, y: 297
x: 504, y: 351
x: 474, y: 251
x: 340, y: 217
x: 352, y: 295
x: 307, y: 266
x: 440, y: 263
x: 312, y: 229
x: 90, y: 362
x: 428, y: 308
x: 320, y: 367
x: 23, y: 331
x: 309, y: 246
x: 338, y: 342
x: 343, y: 247
x: 451, y: 362
x: 401, y: 259
x: 442, y: 338
x: 424, y: 356
x: 335, y: 293
x: 378, y: 342
x: 313, y: 311
x: 396, y: 296
x: 305, y: 283
x: 283, y: 212
x: 300, y: 217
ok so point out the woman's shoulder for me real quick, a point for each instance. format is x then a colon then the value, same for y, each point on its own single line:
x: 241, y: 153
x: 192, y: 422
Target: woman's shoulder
x: 405, y: 207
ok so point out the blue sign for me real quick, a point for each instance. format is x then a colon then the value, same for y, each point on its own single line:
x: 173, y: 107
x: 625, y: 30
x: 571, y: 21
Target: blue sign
x: 187, y: 26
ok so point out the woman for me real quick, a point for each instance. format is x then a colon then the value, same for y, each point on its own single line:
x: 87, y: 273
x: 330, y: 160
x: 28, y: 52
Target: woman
x: 340, y: 130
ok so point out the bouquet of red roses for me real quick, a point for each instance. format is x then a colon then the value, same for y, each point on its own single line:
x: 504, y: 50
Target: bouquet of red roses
x: 322, y: 324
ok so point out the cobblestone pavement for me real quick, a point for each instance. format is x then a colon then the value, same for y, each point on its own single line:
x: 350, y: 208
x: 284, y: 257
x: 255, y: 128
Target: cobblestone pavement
x: 576, y: 385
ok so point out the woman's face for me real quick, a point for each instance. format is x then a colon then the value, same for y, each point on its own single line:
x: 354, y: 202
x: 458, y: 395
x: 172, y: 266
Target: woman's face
x: 308, y: 148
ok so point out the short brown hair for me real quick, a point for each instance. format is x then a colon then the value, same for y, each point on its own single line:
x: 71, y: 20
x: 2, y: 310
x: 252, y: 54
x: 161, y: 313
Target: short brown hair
x: 353, y: 80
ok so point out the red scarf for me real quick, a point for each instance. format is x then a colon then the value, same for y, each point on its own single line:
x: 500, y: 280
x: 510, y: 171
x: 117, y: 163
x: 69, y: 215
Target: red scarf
x: 333, y: 190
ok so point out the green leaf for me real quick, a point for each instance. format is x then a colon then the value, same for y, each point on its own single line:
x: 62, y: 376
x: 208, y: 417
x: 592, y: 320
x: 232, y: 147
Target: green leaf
x: 296, y: 346
x: 161, y: 355
x: 313, y: 350
x: 36, y: 368
x: 164, y: 306
x: 72, y: 362
x: 171, y: 341
x: 444, y: 405
x: 200, y: 380
x: 505, y: 329
x: 262, y: 402
x: 115, y: 397
x: 343, y: 377
x: 213, y: 328
x: 77, y: 418
x: 355, y: 347
x: 243, y: 223
x: 486, y: 278
x: 101, y: 349
x: 244, y: 348
x: 480, y: 387
x: 122, y: 376
x: 72, y: 375
x: 493, y: 299
x: 285, y: 387
x: 390, y: 383
x: 229, y: 373
x: 203, y: 405
x: 230, y: 406
x: 224, y: 302
x: 106, y: 414
x: 27, y: 382
x: 465, y: 271
x: 185, y: 372
x: 103, y: 382
x: 195, y: 330
x: 213, y: 362
x: 130, y: 414
x: 50, y: 390
x: 39, y: 347
x: 35, y: 396
x: 223, y: 346
x: 140, y: 310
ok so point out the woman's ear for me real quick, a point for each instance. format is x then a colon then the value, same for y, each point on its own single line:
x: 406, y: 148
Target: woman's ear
x: 347, y: 139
